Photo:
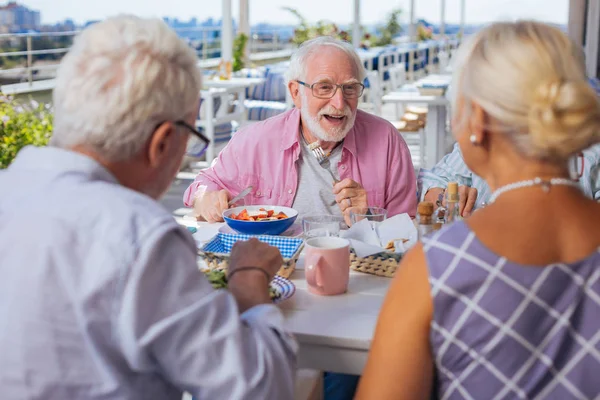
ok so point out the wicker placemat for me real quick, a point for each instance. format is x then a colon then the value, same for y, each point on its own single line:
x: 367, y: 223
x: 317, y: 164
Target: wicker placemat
x: 214, y: 261
x: 380, y: 264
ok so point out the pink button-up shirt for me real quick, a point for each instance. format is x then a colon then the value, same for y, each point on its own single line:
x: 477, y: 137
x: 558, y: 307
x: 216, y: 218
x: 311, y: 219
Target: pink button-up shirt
x: 264, y: 155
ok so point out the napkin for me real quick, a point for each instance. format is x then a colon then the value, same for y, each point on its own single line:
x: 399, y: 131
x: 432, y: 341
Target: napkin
x: 397, y: 228
x: 368, y: 238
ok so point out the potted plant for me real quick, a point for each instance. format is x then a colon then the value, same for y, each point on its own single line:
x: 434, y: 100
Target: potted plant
x: 239, y: 51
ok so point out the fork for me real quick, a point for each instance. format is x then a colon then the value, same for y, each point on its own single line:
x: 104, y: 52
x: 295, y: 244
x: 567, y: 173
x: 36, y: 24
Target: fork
x: 322, y: 158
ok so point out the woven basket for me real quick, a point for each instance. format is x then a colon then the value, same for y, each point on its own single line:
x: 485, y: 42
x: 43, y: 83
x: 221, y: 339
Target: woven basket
x: 218, y: 261
x: 380, y: 264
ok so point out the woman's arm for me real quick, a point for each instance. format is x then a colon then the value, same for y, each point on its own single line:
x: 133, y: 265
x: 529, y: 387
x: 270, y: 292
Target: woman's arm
x: 400, y: 363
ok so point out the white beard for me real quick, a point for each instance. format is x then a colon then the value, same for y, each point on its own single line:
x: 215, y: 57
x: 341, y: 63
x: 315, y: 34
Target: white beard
x: 313, y: 125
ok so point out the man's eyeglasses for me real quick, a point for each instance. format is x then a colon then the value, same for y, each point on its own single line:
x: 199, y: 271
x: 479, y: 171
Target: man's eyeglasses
x: 326, y: 90
x: 200, y: 145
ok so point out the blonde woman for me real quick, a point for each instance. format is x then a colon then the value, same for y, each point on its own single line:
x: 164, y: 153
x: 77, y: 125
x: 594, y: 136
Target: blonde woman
x: 505, y: 305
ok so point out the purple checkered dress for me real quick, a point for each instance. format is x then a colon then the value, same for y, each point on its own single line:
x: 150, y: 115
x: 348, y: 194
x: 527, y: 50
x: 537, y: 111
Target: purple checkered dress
x: 506, y: 331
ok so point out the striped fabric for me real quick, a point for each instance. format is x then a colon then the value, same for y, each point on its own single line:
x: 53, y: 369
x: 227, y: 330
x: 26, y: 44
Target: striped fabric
x: 260, y: 110
x: 504, y: 331
x: 273, y: 89
x: 223, y: 132
x: 452, y: 168
x: 267, y: 99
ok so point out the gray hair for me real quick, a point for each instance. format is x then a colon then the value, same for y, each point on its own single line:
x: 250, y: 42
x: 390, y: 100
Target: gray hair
x: 297, y: 68
x: 122, y: 78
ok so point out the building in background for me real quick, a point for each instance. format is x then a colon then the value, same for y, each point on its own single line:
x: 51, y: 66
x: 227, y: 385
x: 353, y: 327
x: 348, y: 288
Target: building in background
x: 15, y: 17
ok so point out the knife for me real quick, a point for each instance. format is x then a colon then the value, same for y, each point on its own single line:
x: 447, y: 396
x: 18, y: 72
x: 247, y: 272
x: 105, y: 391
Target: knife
x: 240, y: 196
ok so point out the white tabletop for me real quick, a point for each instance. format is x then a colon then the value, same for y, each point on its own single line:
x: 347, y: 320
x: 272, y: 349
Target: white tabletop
x: 334, y: 332
x: 415, y: 97
x: 410, y: 93
x: 234, y: 82
x: 440, y: 79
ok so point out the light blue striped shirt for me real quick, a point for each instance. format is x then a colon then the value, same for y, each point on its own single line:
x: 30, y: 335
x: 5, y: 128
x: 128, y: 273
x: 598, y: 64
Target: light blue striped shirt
x: 452, y: 168
x: 101, y: 297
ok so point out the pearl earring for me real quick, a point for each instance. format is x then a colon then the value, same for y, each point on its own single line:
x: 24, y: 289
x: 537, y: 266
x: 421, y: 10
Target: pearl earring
x: 473, y: 139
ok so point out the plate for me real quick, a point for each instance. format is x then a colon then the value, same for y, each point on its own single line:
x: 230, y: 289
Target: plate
x: 284, y: 287
x: 293, y: 231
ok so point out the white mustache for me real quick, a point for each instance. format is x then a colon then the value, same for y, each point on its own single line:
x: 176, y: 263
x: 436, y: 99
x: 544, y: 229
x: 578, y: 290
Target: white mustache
x: 335, y: 112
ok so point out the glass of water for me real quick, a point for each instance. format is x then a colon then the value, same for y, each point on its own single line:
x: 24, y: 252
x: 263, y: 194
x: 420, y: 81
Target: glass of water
x: 321, y: 225
x: 373, y: 214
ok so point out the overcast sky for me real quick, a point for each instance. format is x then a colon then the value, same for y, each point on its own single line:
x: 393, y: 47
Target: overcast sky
x: 340, y: 11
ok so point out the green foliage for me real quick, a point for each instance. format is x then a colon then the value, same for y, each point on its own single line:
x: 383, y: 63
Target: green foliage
x: 305, y: 31
x: 22, y: 124
x: 239, y: 47
x: 391, y: 29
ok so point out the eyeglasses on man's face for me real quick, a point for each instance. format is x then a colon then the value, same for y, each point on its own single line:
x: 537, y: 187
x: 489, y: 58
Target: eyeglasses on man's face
x: 326, y: 90
x: 201, y: 143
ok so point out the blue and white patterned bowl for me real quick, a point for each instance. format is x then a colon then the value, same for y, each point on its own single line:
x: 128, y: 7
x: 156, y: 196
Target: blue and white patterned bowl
x: 260, y: 227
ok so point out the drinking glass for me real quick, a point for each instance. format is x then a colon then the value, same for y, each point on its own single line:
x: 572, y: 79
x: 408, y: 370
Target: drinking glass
x: 321, y: 225
x: 373, y: 214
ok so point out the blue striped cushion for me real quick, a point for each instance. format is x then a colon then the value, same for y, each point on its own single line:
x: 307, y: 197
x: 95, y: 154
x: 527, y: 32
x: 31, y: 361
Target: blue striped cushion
x: 260, y: 110
x: 223, y: 132
x: 273, y: 89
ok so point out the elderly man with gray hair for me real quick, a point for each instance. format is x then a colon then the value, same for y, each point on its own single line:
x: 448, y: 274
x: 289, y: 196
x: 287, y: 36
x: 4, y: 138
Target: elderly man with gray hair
x: 367, y: 162
x: 100, y: 296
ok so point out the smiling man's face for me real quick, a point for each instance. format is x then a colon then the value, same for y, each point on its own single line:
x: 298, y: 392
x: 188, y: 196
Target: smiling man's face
x: 329, y: 119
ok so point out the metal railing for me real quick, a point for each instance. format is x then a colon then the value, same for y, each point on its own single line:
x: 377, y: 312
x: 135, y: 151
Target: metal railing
x: 206, y: 42
x: 29, y: 69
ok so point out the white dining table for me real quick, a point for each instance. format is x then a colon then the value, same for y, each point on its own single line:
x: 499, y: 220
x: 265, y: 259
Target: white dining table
x: 334, y: 332
x: 234, y: 82
x: 435, y: 128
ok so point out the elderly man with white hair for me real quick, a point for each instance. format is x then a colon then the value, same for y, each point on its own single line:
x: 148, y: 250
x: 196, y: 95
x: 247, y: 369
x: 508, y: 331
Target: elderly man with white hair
x: 368, y: 164
x: 100, y: 296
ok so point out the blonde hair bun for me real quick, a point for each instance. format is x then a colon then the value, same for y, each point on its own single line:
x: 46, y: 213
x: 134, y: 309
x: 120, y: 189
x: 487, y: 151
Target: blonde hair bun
x: 530, y: 80
x: 564, y: 119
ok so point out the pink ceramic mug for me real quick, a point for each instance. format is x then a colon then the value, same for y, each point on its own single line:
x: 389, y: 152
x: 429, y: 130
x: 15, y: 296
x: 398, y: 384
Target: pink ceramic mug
x: 327, y: 265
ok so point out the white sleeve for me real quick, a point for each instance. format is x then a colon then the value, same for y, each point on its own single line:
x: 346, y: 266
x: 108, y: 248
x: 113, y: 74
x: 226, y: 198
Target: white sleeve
x: 172, y: 322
